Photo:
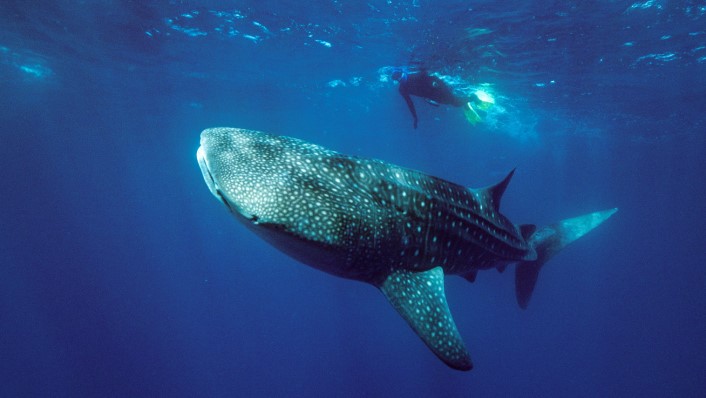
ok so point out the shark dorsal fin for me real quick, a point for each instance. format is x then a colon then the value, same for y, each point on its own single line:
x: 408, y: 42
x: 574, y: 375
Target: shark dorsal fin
x: 494, y: 193
x: 419, y: 297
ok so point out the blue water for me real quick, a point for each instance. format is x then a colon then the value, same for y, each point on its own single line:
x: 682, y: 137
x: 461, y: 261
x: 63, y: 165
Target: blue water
x: 121, y: 275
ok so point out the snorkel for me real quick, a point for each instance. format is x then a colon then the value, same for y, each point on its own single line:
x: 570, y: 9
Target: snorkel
x: 399, y: 75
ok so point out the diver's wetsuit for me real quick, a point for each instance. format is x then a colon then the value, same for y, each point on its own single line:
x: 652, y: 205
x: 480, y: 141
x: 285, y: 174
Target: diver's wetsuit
x: 427, y: 86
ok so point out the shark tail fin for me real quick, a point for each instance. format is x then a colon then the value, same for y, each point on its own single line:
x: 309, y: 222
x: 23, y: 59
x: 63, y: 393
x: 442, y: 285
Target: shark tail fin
x: 547, y: 242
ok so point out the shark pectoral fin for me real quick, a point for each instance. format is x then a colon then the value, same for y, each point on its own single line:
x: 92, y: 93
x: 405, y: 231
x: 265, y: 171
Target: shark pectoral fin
x: 419, y: 297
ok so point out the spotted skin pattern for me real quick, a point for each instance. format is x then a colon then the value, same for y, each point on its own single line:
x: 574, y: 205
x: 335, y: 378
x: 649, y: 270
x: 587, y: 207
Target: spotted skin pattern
x: 419, y: 297
x: 367, y: 220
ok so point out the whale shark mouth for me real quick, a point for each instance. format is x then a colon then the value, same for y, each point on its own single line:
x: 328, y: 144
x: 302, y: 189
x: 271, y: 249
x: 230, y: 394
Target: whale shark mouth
x: 216, y: 190
x: 210, y: 180
x: 222, y: 198
x: 205, y: 171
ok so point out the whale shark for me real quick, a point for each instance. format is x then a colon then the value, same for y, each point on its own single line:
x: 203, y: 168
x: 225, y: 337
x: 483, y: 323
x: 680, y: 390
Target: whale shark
x: 397, y: 229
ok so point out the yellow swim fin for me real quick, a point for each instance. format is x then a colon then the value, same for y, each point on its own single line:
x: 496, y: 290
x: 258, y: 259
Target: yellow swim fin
x: 471, y: 115
x: 486, y: 101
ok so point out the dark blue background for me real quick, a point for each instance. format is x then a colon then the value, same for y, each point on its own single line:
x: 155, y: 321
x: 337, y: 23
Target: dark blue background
x: 120, y: 274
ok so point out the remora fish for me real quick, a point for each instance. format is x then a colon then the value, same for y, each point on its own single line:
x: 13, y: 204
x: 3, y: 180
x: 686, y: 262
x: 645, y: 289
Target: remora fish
x: 397, y: 229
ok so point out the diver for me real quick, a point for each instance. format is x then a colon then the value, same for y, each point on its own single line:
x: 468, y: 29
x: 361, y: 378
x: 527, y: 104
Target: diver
x: 436, y: 91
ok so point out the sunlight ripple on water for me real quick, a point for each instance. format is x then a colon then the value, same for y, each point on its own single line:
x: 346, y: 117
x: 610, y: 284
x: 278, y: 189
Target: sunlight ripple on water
x: 31, y: 66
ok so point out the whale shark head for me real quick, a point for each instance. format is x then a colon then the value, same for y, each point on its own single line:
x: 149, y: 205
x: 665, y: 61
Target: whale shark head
x: 279, y: 189
x: 244, y: 170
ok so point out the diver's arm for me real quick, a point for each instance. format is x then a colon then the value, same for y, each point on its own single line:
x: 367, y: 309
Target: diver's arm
x: 410, y: 105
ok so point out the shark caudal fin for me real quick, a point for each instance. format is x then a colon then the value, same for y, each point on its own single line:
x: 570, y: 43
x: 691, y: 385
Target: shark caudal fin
x: 548, y: 241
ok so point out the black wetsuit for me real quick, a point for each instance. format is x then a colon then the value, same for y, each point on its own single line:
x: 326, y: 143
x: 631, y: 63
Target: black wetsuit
x: 430, y: 87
